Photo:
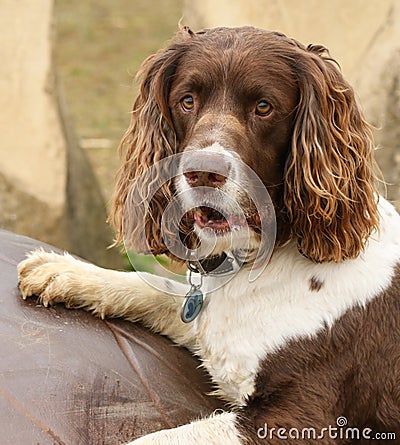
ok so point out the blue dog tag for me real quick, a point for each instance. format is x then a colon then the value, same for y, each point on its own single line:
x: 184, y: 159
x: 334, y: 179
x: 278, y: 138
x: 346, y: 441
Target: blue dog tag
x: 192, y: 304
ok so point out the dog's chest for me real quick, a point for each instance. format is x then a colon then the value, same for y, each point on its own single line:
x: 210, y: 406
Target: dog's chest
x: 237, y: 328
x: 244, y: 322
x: 230, y: 350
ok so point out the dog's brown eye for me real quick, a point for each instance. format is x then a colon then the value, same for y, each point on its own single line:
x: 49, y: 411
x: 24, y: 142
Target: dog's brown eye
x: 187, y: 103
x: 263, y: 108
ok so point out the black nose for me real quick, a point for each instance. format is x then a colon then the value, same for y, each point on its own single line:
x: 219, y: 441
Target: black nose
x: 207, y: 169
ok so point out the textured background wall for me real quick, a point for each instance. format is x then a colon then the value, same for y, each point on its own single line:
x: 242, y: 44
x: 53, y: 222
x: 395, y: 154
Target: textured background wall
x: 32, y: 148
x: 47, y: 188
x: 363, y: 35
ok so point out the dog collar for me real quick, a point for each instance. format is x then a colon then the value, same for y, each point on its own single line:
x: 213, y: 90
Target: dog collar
x: 214, y: 265
x: 226, y: 263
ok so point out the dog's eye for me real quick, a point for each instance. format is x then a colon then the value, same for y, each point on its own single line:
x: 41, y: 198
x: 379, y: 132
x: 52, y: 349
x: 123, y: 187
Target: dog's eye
x: 187, y: 103
x: 263, y: 108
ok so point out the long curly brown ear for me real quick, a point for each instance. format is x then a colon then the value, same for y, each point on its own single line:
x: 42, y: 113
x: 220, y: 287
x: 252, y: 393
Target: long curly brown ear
x: 149, y: 138
x: 330, y: 191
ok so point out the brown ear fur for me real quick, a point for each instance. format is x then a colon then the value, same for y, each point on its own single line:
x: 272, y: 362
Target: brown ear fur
x: 149, y: 138
x: 330, y: 191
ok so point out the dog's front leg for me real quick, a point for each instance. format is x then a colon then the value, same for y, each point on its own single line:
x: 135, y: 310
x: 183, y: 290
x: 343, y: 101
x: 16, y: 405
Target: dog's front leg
x: 216, y: 430
x: 57, y: 278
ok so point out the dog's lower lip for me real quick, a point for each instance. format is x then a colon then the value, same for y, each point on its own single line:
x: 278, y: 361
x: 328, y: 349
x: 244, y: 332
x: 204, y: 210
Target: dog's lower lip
x: 203, y: 220
x: 219, y: 224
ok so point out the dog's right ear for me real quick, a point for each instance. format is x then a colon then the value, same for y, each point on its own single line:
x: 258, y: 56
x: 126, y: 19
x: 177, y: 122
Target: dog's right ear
x: 149, y: 138
x: 330, y: 184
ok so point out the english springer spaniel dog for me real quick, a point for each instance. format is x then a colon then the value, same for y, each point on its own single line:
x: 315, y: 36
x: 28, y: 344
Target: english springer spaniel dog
x: 312, y: 341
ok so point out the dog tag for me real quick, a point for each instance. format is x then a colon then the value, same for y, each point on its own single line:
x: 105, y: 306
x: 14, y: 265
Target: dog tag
x: 192, y: 304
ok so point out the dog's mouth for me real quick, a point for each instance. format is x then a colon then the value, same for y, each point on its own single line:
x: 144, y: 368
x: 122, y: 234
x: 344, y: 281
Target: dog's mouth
x: 210, y: 218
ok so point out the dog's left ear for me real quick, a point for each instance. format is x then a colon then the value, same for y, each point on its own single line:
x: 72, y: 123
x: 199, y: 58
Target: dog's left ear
x: 149, y: 139
x: 330, y: 190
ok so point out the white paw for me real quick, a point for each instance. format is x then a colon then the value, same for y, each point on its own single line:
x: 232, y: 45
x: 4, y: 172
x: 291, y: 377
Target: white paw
x: 165, y: 437
x: 48, y: 276
x: 219, y: 429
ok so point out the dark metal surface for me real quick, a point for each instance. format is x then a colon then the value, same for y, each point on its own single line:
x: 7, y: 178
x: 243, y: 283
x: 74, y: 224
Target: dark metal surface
x: 69, y: 378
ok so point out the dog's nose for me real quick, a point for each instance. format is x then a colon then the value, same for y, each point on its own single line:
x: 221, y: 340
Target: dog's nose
x: 208, y: 179
x: 206, y: 169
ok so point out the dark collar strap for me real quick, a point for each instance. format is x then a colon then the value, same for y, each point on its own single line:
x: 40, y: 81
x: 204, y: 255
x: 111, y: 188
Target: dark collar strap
x: 215, y: 265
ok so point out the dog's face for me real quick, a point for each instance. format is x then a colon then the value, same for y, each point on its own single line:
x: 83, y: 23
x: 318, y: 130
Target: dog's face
x: 234, y: 108
x: 234, y: 101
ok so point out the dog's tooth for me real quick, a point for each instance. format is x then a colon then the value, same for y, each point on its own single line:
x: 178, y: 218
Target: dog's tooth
x: 199, y: 211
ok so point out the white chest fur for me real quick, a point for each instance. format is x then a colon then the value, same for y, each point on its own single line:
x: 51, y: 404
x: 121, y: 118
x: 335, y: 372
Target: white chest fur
x: 243, y: 322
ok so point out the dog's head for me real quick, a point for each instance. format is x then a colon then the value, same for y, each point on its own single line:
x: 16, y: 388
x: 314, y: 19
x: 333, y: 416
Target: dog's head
x: 228, y: 98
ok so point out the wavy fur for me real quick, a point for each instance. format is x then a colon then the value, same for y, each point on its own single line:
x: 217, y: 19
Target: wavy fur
x: 330, y: 189
x: 149, y: 138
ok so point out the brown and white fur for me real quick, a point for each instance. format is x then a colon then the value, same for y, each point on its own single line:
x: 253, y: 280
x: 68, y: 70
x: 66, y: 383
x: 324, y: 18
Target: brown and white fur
x: 317, y: 335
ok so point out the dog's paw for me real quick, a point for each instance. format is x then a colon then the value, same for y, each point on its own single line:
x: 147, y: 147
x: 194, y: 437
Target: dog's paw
x: 215, y: 430
x: 48, y: 276
x: 184, y: 435
x: 165, y: 437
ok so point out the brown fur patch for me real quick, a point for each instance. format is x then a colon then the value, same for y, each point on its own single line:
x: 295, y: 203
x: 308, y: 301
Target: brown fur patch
x: 315, y: 284
x: 351, y: 369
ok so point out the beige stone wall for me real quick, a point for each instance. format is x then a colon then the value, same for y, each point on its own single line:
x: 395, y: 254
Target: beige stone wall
x: 363, y: 35
x: 47, y: 188
x: 345, y: 27
x: 30, y: 157
x: 33, y: 153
